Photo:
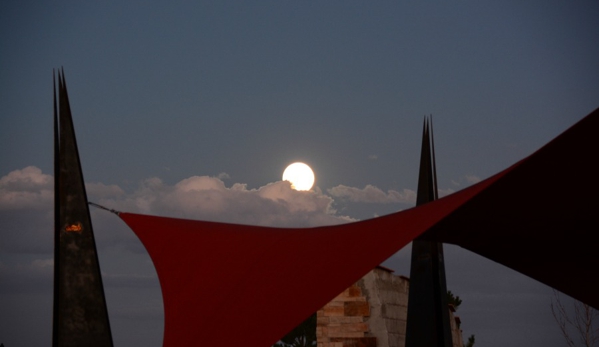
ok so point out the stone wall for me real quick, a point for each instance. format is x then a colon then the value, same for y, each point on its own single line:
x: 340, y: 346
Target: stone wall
x: 371, y: 313
x: 456, y: 332
x: 343, y: 321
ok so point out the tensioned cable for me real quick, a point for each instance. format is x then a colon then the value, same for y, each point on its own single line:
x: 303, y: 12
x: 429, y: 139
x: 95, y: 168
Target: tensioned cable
x: 104, y: 208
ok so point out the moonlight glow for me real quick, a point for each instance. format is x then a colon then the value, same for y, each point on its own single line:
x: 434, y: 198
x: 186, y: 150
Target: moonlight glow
x: 299, y: 175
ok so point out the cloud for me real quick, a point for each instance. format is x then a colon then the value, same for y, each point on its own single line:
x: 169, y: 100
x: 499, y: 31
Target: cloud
x: 26, y: 206
x: 26, y: 179
x: 103, y: 191
x: 207, y: 198
x: 373, y: 195
x: 26, y: 188
x: 466, y: 181
x: 472, y: 179
x: 223, y: 176
x: 26, y: 200
x: 30, y: 188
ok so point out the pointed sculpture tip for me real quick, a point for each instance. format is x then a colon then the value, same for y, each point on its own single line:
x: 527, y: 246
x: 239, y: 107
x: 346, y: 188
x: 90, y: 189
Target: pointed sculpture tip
x: 58, y: 73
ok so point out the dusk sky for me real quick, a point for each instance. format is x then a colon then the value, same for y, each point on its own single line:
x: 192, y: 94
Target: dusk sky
x: 194, y: 109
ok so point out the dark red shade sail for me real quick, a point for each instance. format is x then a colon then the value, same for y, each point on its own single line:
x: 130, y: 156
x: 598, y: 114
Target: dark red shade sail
x: 233, y: 285
x: 542, y: 217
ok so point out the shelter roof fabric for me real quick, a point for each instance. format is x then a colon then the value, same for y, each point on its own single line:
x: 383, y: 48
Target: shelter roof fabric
x: 228, y: 285
x: 541, y: 217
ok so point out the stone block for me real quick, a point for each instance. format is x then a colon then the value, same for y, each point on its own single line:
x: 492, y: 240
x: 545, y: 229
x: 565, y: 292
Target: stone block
x: 343, y: 329
x: 402, y: 326
x: 345, y: 319
x: 331, y: 344
x: 346, y: 334
x: 393, y: 326
x: 341, y: 296
x: 357, y: 308
x: 354, y: 291
x: 336, y: 302
x: 351, y: 291
x: 356, y: 342
x: 354, y: 298
x: 334, y: 311
x: 322, y: 320
x: 393, y: 311
x: 396, y: 340
x: 362, y: 327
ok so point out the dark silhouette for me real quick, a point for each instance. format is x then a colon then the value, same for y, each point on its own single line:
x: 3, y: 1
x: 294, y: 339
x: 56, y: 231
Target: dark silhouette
x: 304, y: 335
x: 80, y: 313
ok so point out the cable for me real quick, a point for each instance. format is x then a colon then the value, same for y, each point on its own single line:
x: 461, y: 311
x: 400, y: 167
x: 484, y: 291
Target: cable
x: 104, y: 208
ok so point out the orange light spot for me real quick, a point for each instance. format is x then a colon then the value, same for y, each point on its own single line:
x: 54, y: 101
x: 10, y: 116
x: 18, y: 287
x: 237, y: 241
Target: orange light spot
x: 74, y: 228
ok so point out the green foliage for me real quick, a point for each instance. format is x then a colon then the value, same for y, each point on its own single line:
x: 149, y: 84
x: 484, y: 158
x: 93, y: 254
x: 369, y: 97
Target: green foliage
x: 453, y: 300
x: 304, y: 335
x: 470, y: 342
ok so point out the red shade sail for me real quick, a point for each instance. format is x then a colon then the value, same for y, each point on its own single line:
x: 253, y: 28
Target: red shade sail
x: 232, y: 285
x: 542, y: 217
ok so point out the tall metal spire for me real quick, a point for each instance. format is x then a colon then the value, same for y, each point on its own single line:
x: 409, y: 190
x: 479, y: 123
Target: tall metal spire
x: 428, y: 315
x: 80, y: 314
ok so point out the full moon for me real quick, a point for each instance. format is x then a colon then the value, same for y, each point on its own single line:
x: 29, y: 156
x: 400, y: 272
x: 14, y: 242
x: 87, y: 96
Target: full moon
x: 299, y: 175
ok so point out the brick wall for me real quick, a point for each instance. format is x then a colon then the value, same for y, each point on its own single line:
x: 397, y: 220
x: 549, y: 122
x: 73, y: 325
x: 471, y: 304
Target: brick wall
x: 370, y: 313
x: 342, y: 322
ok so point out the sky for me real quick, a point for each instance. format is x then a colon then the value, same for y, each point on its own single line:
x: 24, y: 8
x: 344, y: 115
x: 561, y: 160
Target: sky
x: 194, y: 109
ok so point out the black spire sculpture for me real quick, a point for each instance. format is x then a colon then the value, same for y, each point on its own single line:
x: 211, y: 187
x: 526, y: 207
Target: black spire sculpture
x: 80, y: 314
x: 428, y: 315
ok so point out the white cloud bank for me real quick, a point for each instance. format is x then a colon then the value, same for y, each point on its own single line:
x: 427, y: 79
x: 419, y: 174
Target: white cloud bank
x: 207, y: 198
x: 197, y: 197
x: 372, y: 194
x: 26, y: 204
x: 26, y: 188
